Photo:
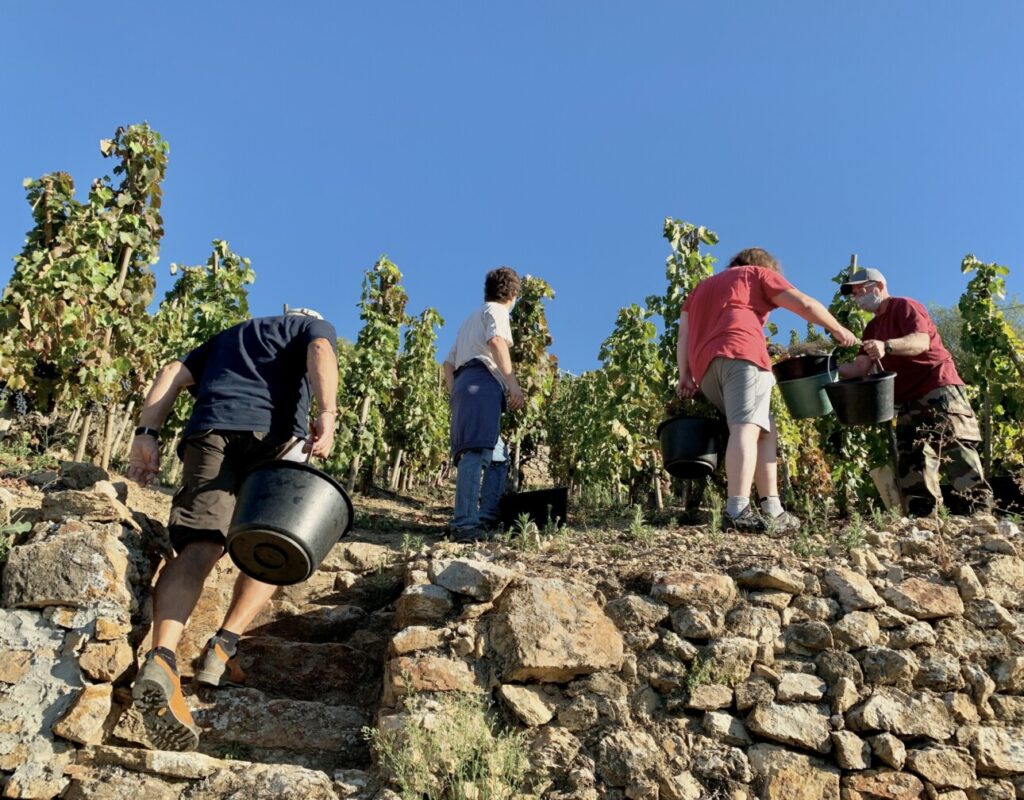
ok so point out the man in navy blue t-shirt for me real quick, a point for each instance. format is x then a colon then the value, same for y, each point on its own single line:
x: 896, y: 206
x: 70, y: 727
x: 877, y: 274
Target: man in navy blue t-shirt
x: 252, y: 385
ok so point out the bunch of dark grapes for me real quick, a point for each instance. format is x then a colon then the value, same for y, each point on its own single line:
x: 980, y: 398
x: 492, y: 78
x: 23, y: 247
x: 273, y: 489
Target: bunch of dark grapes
x: 20, y: 404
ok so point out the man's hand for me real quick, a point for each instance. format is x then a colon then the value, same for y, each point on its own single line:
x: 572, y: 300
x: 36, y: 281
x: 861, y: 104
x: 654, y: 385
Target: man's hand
x: 321, y: 435
x: 515, y: 396
x: 844, y: 337
x: 144, y: 460
x: 686, y: 388
x: 874, y: 349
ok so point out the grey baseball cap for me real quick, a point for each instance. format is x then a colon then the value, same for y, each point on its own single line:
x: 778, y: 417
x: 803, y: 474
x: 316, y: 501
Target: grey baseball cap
x: 302, y: 312
x: 863, y: 275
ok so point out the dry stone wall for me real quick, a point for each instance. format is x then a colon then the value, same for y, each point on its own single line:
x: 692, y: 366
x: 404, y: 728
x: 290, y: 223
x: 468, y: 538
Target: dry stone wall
x: 895, y: 671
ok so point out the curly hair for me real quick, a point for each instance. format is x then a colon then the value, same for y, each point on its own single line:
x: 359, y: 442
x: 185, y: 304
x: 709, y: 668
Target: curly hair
x: 501, y: 285
x: 755, y: 257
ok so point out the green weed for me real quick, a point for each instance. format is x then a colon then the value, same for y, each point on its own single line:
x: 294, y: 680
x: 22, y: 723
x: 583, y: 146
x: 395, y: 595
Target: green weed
x: 7, y: 535
x: 700, y: 673
x: 639, y: 530
x: 450, y: 749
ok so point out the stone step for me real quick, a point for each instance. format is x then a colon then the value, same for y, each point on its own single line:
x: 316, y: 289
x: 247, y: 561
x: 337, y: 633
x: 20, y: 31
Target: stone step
x: 248, y: 724
x: 330, y: 673
x: 112, y: 773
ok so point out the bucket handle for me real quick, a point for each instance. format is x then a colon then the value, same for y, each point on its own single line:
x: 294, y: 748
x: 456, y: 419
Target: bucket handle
x: 833, y: 374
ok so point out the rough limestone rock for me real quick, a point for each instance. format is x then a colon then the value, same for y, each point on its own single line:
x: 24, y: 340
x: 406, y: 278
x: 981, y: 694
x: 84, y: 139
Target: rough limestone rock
x: 694, y: 588
x: 45, y: 682
x: 943, y: 767
x: 636, y: 612
x: 626, y: 757
x: 414, y: 638
x: 799, y: 724
x: 750, y: 693
x: 776, y: 578
x: 730, y: 658
x: 1003, y: 578
x: 545, y: 630
x: 781, y: 774
x: 856, y: 630
x: 531, y: 704
x: 477, y: 579
x: 883, y: 666
x: 428, y: 674
x: 850, y: 751
x: 80, y: 474
x: 998, y: 752
x: 889, y: 749
x: 762, y: 625
x: 1009, y: 675
x: 924, y: 599
x: 699, y: 622
x: 709, y: 697
x: 988, y: 613
x: 883, y: 785
x: 87, y: 506
x: 76, y: 569
x: 83, y: 722
x: 853, y: 590
x: 893, y: 711
x: 106, y: 661
x: 797, y: 687
x: 726, y: 728
x: 917, y: 634
x: 422, y: 605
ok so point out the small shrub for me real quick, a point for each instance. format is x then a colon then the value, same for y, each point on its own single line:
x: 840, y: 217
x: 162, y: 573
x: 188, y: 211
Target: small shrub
x: 639, y: 530
x: 450, y: 749
x: 7, y: 536
x: 699, y: 674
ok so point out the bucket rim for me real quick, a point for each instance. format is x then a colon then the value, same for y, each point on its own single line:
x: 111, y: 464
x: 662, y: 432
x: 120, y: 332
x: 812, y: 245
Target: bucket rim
x: 278, y: 463
x: 683, y: 415
x: 876, y: 377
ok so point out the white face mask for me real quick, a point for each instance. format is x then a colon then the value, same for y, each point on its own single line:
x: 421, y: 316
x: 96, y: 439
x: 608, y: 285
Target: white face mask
x: 869, y: 301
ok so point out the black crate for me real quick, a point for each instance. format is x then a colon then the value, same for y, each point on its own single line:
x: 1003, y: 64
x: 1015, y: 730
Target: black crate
x: 543, y: 506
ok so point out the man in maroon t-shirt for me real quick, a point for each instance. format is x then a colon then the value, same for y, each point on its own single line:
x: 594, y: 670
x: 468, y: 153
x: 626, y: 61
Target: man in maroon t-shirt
x: 721, y: 348
x: 935, y: 425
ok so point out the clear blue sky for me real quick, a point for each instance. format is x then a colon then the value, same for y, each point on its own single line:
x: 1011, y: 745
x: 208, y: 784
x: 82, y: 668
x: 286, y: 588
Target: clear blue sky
x: 552, y: 137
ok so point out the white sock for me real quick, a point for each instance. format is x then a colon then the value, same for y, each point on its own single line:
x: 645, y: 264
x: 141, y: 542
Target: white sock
x: 772, y: 506
x: 734, y: 505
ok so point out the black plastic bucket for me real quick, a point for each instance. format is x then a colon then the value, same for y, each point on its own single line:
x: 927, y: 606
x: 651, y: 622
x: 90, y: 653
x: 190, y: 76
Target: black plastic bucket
x: 798, y: 367
x: 287, y: 518
x: 689, y: 446
x: 863, y: 401
x: 543, y: 506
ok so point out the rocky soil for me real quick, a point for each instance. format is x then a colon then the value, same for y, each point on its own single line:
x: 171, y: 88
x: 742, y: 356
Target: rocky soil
x: 883, y: 661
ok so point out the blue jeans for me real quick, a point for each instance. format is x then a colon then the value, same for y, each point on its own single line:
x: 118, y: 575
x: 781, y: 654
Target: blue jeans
x: 494, y: 487
x: 468, y: 482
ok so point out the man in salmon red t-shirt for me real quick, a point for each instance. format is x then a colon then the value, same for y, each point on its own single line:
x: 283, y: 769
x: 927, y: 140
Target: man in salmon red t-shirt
x: 935, y: 426
x: 722, y: 351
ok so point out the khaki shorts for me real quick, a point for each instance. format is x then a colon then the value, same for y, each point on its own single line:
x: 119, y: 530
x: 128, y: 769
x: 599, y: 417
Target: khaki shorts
x: 740, y: 390
x: 215, y: 463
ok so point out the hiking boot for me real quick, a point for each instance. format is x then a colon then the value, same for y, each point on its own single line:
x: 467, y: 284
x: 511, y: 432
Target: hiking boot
x: 216, y: 668
x: 165, y: 715
x: 747, y: 521
x: 465, y: 535
x: 783, y: 523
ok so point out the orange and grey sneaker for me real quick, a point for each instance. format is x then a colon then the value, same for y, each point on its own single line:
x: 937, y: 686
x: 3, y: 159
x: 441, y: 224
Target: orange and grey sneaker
x: 165, y: 715
x: 216, y: 668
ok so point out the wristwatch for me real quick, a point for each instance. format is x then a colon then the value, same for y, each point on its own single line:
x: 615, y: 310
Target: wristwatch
x: 142, y: 430
x: 888, y: 347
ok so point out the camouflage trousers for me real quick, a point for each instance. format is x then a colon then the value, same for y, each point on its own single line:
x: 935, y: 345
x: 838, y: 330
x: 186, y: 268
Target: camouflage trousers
x: 936, y: 434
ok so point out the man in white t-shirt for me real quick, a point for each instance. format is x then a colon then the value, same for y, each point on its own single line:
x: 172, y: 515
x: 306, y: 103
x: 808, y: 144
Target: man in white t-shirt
x: 480, y: 380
